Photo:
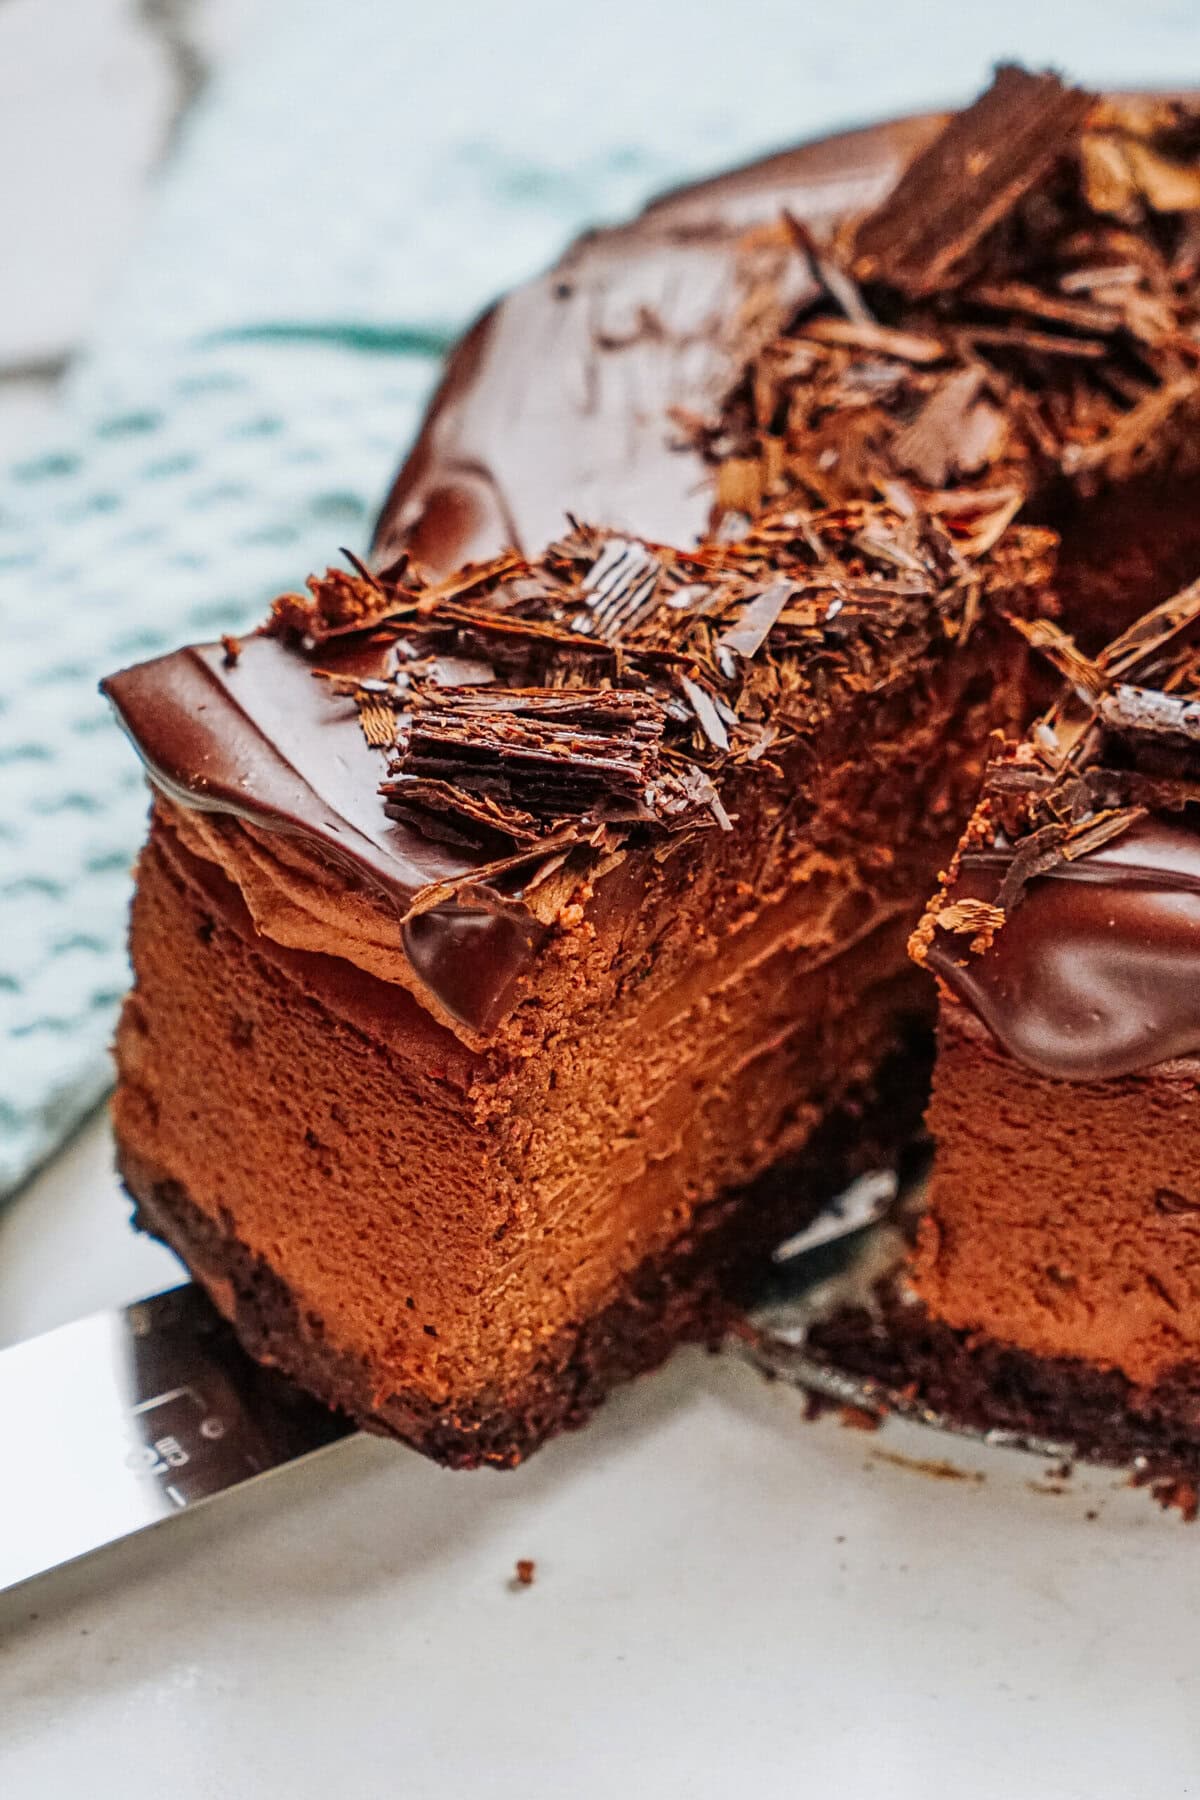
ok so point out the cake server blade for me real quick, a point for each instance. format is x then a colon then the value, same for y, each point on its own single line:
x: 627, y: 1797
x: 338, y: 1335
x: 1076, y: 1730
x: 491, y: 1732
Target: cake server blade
x: 860, y: 1240
x: 128, y: 1417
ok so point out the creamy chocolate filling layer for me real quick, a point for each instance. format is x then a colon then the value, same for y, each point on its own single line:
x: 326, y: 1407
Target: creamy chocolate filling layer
x: 493, y: 1202
x: 1067, y: 1225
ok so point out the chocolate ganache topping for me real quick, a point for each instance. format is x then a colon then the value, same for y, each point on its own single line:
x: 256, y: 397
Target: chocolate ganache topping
x: 559, y: 401
x: 1070, y: 923
x: 579, y: 392
x: 256, y: 737
x: 788, y: 341
x: 454, y: 746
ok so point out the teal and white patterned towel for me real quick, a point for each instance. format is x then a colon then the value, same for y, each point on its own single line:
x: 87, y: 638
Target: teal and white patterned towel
x: 361, y: 181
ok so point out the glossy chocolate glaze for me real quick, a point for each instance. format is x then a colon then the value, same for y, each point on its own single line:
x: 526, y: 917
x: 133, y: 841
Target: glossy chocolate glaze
x: 557, y: 400
x: 1096, y: 973
x: 264, y: 739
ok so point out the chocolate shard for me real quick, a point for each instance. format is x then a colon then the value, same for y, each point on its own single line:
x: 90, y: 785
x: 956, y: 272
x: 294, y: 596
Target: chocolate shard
x: 619, y: 590
x: 707, y: 713
x: 757, y: 620
x: 520, y: 762
x: 1089, y: 835
x: 1142, y: 712
x: 955, y: 433
x: 923, y: 238
x: 451, y: 813
x: 546, y: 755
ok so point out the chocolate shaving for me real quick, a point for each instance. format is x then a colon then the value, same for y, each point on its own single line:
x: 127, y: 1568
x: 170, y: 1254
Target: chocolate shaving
x: 1024, y: 299
x: 619, y: 590
x: 1035, y: 855
x: 617, y: 688
x: 1084, y: 675
x: 378, y: 721
x: 1000, y: 331
x: 756, y: 620
x: 925, y: 234
x: 705, y: 709
x: 452, y: 813
x: 854, y: 334
x: 1102, y: 830
x: 837, y: 282
x: 539, y: 754
x: 1033, y: 343
x: 955, y: 432
x: 1167, y: 186
x: 1135, y: 711
x: 978, y: 917
x: 336, y: 604
x: 1153, y: 634
x: 1132, y: 435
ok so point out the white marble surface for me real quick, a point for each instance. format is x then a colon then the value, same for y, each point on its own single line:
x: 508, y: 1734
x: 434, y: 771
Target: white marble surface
x: 727, y: 1601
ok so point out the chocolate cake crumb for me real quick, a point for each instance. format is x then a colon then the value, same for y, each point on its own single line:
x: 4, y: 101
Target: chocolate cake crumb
x: 860, y: 1418
x: 1178, y: 1495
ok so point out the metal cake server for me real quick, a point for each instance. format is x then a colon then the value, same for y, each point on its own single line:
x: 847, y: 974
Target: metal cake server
x: 128, y: 1417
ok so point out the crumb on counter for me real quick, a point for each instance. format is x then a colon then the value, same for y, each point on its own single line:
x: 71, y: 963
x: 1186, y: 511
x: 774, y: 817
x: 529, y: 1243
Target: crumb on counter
x: 525, y: 1571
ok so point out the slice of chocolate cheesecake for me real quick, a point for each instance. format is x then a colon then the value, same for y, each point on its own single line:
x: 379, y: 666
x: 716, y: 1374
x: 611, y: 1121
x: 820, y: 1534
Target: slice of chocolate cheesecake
x: 493, y: 936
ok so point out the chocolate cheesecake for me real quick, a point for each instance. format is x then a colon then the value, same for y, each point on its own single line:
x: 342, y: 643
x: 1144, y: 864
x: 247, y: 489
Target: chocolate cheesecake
x: 519, y: 946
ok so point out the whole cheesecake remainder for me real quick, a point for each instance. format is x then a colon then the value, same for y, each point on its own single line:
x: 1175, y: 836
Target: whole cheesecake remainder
x: 519, y: 946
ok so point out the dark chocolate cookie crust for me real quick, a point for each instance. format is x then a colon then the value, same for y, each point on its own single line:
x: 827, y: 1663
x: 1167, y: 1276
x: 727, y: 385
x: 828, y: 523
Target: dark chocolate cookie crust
x: 985, y: 1386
